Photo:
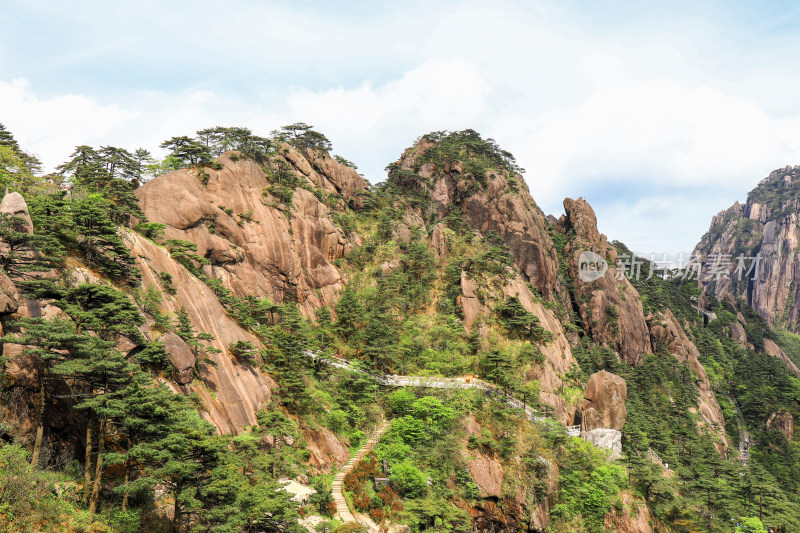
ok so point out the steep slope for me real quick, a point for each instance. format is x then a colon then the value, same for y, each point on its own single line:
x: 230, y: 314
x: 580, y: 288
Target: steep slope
x: 767, y: 226
x: 457, y: 172
x: 609, y: 307
x: 459, y: 185
x: 232, y: 393
x: 263, y: 228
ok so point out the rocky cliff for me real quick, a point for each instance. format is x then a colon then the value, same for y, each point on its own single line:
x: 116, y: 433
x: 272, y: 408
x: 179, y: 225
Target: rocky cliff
x: 262, y: 238
x: 232, y: 392
x: 491, y: 199
x: 766, y: 227
x: 666, y: 332
x: 608, y: 305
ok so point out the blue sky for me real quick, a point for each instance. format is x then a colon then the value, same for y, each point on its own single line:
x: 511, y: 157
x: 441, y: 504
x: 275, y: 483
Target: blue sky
x: 660, y: 115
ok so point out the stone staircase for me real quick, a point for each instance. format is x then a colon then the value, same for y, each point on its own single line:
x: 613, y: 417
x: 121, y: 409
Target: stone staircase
x: 337, y: 487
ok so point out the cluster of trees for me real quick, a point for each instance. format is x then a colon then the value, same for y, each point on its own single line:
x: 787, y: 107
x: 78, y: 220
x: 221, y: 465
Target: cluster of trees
x: 707, y: 490
x: 477, y: 156
x: 86, y: 226
x: 212, y: 142
x: 96, y: 169
x: 138, y: 433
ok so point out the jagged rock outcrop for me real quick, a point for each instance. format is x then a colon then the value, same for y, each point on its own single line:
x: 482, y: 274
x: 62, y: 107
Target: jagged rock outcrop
x: 666, y: 332
x: 767, y: 226
x: 500, y: 206
x: 258, y: 243
x: 783, y: 422
x: 327, y: 173
x: 608, y: 305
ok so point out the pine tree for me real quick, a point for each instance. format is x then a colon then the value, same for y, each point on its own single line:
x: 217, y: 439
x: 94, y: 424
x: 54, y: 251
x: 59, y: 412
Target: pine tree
x: 104, y: 310
x: 324, y: 330
x: 349, y: 314
x: 143, y: 166
x: 147, y: 417
x: 185, y: 460
x: 202, y: 353
x: 106, y: 374
x: 23, y: 255
x: 50, y: 343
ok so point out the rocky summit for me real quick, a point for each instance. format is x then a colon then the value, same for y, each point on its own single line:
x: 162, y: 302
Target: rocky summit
x: 248, y: 335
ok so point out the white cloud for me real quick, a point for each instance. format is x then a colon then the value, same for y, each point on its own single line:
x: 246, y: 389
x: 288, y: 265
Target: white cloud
x: 659, y: 127
x: 50, y: 126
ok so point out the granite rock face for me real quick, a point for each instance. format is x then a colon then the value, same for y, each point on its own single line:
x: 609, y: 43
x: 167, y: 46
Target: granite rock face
x: 13, y: 204
x: 257, y: 241
x: 503, y: 205
x: 608, y: 305
x: 766, y: 226
x: 181, y: 357
x: 603, y: 406
x: 666, y: 331
x: 239, y: 391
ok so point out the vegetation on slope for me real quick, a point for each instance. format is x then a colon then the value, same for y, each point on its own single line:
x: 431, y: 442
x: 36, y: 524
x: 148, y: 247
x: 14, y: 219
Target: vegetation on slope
x: 399, y: 313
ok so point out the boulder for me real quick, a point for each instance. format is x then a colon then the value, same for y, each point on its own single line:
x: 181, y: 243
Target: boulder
x: 327, y: 452
x: 783, y: 422
x: 14, y: 204
x: 181, y: 357
x: 603, y: 406
x: 9, y: 296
